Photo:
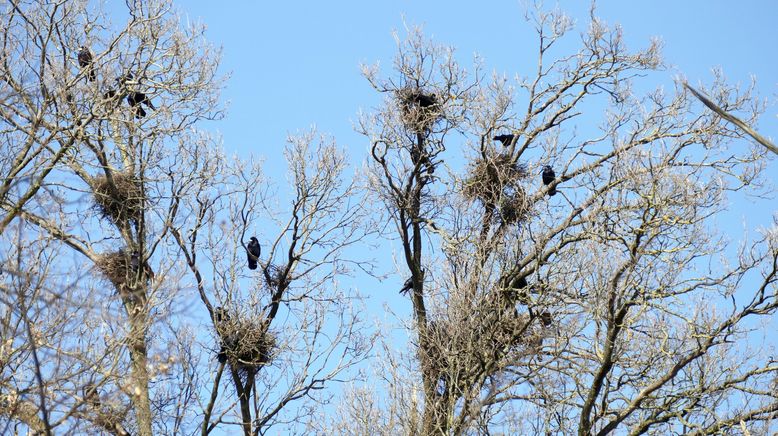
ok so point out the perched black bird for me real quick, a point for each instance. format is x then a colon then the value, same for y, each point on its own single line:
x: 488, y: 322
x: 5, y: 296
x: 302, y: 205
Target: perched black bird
x: 253, y: 252
x: 505, y: 139
x: 220, y: 314
x: 423, y: 100
x: 135, y: 261
x: 407, y: 286
x: 548, y: 177
x: 85, y: 61
x: 136, y: 100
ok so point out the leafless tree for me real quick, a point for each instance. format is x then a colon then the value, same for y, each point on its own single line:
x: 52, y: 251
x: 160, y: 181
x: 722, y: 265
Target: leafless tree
x: 286, y: 330
x: 117, y: 210
x: 606, y: 307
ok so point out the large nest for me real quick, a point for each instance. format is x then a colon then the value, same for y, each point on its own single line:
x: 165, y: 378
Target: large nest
x: 457, y: 357
x: 120, y: 267
x: 122, y: 270
x: 419, y: 110
x: 245, y: 344
x: 495, y: 181
x: 120, y: 201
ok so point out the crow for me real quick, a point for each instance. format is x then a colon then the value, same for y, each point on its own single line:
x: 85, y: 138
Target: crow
x: 220, y: 314
x: 136, y: 99
x: 135, y: 261
x: 407, y: 286
x: 515, y: 291
x: 505, y: 139
x: 548, y: 177
x: 253, y: 251
x: 423, y: 100
x: 85, y: 60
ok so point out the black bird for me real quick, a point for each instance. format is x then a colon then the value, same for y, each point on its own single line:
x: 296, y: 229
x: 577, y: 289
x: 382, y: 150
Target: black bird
x: 135, y: 261
x: 407, y: 286
x: 253, y: 251
x: 423, y: 100
x: 546, y: 319
x: 85, y: 61
x: 505, y: 139
x: 136, y: 100
x: 548, y: 177
x: 220, y: 314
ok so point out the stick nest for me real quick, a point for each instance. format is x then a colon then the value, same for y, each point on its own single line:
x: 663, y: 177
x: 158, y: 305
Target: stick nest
x: 419, y: 110
x: 117, y: 267
x: 120, y: 201
x: 457, y: 356
x: 495, y: 182
x: 246, y: 344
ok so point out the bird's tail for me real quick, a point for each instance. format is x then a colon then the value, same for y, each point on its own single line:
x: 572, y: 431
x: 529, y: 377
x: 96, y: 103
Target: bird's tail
x: 252, y: 264
x: 552, y: 191
x: 92, y: 74
x: 139, y: 112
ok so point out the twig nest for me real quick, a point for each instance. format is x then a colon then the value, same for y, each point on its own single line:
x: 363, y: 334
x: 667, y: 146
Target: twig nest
x: 120, y: 267
x: 495, y: 182
x: 120, y: 201
x: 245, y: 343
x: 456, y: 354
x: 514, y: 206
x: 275, y: 277
x: 419, y: 110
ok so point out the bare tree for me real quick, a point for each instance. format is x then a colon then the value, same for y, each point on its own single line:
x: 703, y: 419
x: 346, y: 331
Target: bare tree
x: 592, y: 299
x: 286, y: 330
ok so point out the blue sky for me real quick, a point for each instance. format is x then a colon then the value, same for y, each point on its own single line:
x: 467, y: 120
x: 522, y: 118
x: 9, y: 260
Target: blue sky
x: 295, y: 64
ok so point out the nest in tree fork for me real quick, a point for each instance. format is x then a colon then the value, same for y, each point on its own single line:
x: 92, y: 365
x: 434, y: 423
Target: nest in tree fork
x: 245, y: 343
x: 456, y: 357
x: 124, y: 272
x: 419, y: 110
x: 120, y: 201
x: 495, y: 181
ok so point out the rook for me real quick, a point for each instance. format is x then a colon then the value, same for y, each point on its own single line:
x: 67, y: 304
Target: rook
x: 253, y: 252
x: 85, y: 61
x: 548, y: 177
